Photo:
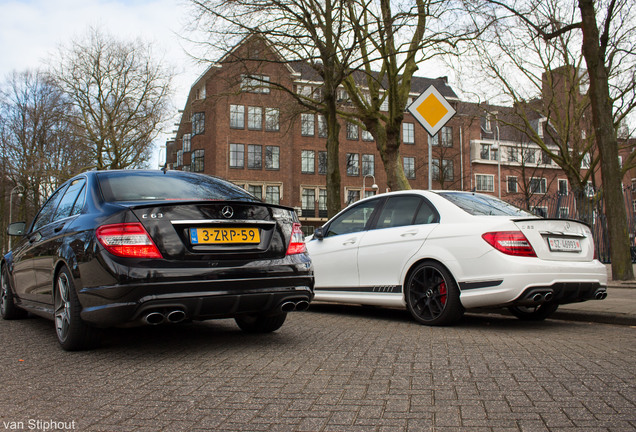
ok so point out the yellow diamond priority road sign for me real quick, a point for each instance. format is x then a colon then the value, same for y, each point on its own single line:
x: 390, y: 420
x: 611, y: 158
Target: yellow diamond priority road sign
x: 432, y: 110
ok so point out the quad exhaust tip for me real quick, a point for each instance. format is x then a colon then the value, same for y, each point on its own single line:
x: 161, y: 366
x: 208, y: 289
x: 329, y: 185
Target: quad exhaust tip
x: 290, y: 306
x: 157, y: 317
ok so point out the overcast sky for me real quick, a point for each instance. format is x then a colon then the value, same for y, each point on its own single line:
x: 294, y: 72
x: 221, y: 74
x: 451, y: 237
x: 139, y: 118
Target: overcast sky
x: 32, y: 30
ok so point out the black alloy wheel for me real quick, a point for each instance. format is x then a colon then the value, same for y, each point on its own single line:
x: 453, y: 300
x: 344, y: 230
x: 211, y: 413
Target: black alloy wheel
x: 432, y: 295
x: 534, y: 313
x: 8, y: 309
x: 73, y: 334
x: 260, y: 324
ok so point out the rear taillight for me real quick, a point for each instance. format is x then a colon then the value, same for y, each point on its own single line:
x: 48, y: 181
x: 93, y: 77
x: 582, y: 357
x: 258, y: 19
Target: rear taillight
x: 510, y: 243
x: 127, y: 240
x: 297, y: 243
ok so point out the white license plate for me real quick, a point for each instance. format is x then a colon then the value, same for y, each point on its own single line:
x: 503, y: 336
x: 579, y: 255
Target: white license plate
x: 564, y: 245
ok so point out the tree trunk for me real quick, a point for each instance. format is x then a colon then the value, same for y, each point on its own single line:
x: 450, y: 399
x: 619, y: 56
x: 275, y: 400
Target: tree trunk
x: 333, y: 162
x: 388, y: 144
x: 607, y: 144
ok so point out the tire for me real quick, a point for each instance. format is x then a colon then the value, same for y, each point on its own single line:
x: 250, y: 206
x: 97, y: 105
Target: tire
x: 260, y: 324
x: 432, y: 295
x: 534, y: 313
x: 8, y: 308
x: 73, y: 334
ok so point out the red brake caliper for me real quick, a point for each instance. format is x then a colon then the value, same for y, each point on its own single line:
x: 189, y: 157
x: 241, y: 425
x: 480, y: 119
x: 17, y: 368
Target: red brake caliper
x: 442, y: 293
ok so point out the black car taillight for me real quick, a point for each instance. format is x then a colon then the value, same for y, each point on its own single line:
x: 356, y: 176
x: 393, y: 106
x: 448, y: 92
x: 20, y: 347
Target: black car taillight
x: 297, y: 243
x: 128, y: 240
x: 510, y: 242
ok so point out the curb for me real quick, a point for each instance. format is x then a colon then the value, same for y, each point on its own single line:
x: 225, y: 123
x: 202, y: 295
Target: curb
x: 597, y: 317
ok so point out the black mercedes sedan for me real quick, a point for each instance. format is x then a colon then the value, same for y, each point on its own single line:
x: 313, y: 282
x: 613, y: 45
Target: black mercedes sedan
x: 118, y: 248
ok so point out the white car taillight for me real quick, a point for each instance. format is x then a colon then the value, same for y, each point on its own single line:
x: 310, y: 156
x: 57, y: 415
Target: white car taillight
x: 297, y: 243
x: 128, y: 240
x: 510, y: 242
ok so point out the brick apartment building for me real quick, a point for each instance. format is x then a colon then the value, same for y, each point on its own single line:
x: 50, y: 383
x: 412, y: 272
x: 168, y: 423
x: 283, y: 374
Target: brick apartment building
x: 239, y: 125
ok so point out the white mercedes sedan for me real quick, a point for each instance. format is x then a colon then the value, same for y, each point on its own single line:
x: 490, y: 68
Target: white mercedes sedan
x: 438, y: 253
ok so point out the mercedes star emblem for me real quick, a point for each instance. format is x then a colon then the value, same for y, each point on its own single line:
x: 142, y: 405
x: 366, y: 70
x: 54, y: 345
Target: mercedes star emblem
x: 227, y: 212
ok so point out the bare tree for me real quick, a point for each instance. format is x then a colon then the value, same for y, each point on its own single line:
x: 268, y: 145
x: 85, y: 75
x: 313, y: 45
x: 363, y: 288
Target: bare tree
x: 119, y: 95
x: 604, y: 33
x: 396, y: 38
x: 311, y: 32
x: 39, y: 148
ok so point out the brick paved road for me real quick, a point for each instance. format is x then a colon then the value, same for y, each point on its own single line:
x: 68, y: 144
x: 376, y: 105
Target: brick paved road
x: 361, y: 370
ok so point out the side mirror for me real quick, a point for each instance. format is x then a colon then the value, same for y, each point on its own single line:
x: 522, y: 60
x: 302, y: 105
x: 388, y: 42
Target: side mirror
x: 319, y: 233
x: 16, y: 229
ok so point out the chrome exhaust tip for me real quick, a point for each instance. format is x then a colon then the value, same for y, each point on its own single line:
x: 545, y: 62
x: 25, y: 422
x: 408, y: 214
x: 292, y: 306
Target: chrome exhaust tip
x: 537, y: 298
x: 154, y: 318
x: 176, y: 316
x: 302, y: 305
x: 548, y: 296
x: 288, y: 306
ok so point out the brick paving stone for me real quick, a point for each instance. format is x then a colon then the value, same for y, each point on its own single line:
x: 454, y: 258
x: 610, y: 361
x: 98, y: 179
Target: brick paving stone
x: 328, y: 370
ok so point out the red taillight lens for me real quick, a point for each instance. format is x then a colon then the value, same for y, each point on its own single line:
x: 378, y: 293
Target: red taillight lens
x: 127, y: 240
x: 510, y: 243
x: 297, y: 243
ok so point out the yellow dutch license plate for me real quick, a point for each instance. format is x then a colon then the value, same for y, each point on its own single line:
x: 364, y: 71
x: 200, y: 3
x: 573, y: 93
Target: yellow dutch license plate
x: 224, y: 235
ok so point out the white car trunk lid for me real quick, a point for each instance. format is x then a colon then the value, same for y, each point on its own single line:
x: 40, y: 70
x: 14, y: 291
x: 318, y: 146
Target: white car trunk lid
x: 558, y: 239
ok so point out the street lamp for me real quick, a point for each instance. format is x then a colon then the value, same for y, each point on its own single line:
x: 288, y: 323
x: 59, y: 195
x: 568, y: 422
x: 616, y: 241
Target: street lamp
x: 364, y: 186
x: 19, y: 189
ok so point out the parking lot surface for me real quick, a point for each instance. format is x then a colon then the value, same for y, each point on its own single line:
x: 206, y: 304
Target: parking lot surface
x: 333, y: 368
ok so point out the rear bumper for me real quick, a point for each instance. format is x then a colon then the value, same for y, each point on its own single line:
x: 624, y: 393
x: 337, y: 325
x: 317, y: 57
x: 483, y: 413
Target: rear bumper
x: 200, y: 293
x: 198, y: 300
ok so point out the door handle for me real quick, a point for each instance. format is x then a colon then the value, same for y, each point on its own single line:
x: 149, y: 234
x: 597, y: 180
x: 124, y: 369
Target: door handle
x: 349, y: 242
x: 408, y: 234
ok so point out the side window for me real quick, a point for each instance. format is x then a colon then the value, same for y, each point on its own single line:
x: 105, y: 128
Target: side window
x: 46, y: 212
x: 353, y: 220
x: 79, y: 202
x: 65, y: 209
x: 426, y: 215
x: 399, y: 211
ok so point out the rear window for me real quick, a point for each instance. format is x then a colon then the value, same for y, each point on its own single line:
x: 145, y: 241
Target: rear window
x: 151, y: 186
x: 484, y: 205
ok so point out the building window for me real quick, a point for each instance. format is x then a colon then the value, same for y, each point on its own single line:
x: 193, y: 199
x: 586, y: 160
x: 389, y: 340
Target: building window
x: 435, y: 166
x: 513, y: 154
x: 563, y: 187
x: 237, y: 155
x: 186, y: 142
x: 307, y: 124
x: 322, y: 203
x: 353, y: 195
x: 512, y: 184
x: 484, y: 183
x: 272, y: 157
x: 254, y: 118
x: 308, y: 203
x: 256, y: 190
x: 237, y: 116
x: 409, y: 167
x: 529, y: 156
x: 272, y: 194
x: 564, y: 212
x: 447, y: 136
x: 198, y: 123
x: 255, y: 83
x: 353, y: 164
x: 322, y: 126
x: 254, y: 156
x: 179, y: 158
x: 537, y: 185
x: 408, y: 133
x: 272, y: 119
x: 384, y: 106
x: 540, y: 211
x: 434, y: 140
x: 368, y: 164
x: 198, y: 160
x: 545, y: 158
x: 586, y: 161
x: 366, y: 135
x: 307, y: 165
x: 352, y: 131
x: 322, y: 162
